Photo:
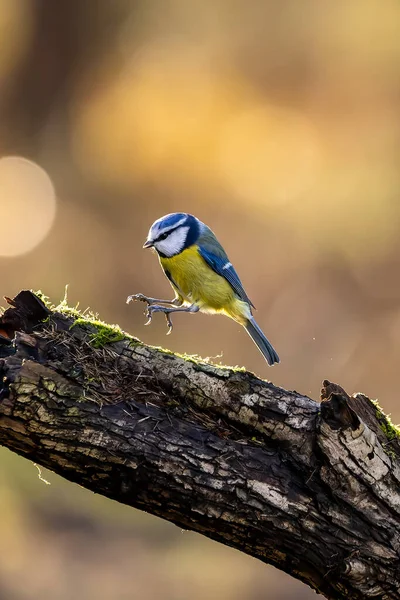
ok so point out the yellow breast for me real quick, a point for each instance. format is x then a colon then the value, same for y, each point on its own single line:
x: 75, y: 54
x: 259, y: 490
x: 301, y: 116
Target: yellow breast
x: 199, y: 284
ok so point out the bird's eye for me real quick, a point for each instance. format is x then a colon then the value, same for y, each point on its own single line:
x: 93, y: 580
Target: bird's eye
x: 163, y: 236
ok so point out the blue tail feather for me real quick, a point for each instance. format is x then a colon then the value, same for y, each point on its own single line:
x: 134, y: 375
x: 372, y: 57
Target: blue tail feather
x: 261, y: 342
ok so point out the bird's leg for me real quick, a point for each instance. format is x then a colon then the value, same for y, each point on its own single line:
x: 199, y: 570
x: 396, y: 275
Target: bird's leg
x: 167, y: 312
x: 141, y: 298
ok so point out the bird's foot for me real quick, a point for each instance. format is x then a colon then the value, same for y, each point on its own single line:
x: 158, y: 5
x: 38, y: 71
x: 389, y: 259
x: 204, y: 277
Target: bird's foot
x: 164, y: 309
x: 150, y: 301
x: 140, y: 298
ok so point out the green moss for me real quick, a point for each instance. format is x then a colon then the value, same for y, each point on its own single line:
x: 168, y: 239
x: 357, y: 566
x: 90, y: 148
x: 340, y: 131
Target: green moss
x: 66, y: 310
x: 194, y: 358
x: 103, y: 333
x: 385, y: 423
x: 100, y: 333
x: 201, y: 362
x: 62, y: 307
x: 45, y: 299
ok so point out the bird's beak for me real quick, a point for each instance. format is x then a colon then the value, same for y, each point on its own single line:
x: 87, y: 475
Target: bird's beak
x: 148, y: 244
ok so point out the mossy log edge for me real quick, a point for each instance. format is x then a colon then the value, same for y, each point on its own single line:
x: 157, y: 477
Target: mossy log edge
x: 311, y: 488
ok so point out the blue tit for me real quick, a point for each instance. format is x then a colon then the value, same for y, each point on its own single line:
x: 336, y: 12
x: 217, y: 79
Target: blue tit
x: 201, y: 275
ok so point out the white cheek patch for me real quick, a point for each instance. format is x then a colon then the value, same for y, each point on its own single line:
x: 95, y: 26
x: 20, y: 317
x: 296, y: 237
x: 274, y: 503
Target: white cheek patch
x: 174, y: 243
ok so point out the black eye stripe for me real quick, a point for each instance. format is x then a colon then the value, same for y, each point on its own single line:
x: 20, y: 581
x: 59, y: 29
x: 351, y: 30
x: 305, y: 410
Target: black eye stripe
x: 164, y: 235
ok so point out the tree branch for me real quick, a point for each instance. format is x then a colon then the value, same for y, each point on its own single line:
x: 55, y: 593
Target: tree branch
x: 310, y: 488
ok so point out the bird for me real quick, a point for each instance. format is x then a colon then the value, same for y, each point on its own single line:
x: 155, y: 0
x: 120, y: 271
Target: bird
x: 201, y: 275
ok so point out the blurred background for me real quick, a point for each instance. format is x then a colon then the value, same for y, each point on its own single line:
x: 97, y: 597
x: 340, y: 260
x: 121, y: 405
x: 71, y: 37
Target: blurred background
x: 277, y: 123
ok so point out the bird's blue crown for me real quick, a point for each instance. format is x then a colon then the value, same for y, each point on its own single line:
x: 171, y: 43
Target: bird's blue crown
x: 173, y: 221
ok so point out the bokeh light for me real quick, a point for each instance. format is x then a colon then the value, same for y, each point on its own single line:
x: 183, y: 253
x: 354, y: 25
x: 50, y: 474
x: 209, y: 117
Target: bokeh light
x: 27, y: 205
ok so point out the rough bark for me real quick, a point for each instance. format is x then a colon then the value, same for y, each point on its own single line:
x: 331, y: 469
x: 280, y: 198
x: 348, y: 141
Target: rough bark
x: 312, y: 488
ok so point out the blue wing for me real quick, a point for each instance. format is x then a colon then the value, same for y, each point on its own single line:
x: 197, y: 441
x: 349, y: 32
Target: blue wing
x: 221, y: 265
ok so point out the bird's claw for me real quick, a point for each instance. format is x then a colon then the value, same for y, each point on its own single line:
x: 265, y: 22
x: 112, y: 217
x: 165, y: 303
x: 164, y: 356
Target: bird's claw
x: 169, y: 323
x: 137, y: 298
x: 149, y: 314
x: 152, y: 309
